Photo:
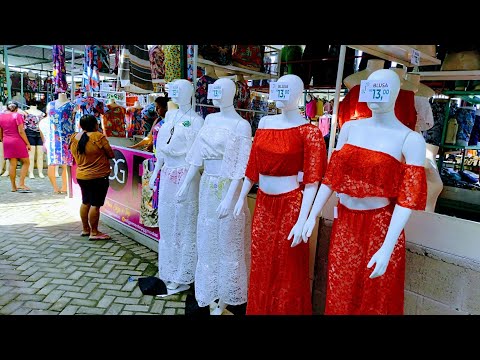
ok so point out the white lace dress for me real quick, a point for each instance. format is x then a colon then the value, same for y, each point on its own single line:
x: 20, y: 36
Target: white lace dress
x: 177, y: 217
x: 223, y: 245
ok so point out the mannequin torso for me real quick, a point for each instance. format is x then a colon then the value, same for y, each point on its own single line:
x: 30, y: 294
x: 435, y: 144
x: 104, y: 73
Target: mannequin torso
x: 62, y: 99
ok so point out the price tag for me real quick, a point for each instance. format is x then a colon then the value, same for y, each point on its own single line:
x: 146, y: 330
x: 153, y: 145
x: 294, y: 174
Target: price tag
x: 279, y: 91
x: 173, y: 90
x: 415, y: 60
x: 374, y: 91
x: 214, y: 92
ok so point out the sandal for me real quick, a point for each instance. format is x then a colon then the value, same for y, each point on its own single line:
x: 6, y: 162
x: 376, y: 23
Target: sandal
x: 24, y: 190
x: 84, y: 234
x: 100, y: 237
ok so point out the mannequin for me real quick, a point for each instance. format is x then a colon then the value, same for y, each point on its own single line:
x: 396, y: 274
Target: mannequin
x: 278, y: 141
x: 368, y: 229
x: 424, y: 122
x: 223, y: 241
x: 36, y: 144
x: 354, y: 79
x: 177, y: 218
x: 60, y: 115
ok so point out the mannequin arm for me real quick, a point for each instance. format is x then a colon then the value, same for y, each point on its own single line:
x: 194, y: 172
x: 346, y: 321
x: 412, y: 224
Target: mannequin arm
x: 247, y: 185
x: 192, y: 171
x: 320, y: 200
x: 225, y: 204
x: 308, y: 197
x: 414, y: 152
x: 382, y: 256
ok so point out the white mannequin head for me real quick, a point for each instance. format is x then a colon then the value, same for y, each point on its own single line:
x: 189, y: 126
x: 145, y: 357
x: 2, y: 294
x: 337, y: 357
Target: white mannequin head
x: 228, y: 92
x: 394, y: 81
x: 185, y: 92
x: 295, y: 85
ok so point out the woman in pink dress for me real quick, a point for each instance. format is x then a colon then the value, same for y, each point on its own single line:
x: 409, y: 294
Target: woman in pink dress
x: 15, y: 144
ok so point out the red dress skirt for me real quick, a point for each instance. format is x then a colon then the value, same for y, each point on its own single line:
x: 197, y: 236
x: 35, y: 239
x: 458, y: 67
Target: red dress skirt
x: 279, y: 276
x: 356, y: 237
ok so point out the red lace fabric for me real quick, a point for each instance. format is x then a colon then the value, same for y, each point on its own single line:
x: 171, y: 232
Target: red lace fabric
x: 351, y: 109
x: 356, y: 236
x: 279, y: 282
x: 361, y: 172
x: 285, y: 152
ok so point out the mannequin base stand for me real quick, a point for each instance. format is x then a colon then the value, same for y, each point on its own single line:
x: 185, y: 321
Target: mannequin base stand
x: 171, y: 290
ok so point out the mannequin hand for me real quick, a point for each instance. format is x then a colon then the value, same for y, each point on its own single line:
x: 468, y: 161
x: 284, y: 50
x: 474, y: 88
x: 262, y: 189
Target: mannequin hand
x: 238, y: 208
x: 381, y: 259
x: 308, y: 228
x: 151, y: 182
x: 223, y: 207
x: 296, y: 233
x: 183, y: 189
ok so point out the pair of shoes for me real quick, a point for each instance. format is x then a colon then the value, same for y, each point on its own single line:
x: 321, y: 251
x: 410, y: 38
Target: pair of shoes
x: 100, y: 237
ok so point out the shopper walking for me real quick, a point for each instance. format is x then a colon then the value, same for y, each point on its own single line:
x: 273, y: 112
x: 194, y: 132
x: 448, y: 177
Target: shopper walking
x: 15, y: 144
x: 91, y: 151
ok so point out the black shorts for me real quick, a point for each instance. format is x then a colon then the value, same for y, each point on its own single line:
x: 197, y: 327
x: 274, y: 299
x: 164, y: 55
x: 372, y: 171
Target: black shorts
x: 94, y: 191
x: 35, y: 140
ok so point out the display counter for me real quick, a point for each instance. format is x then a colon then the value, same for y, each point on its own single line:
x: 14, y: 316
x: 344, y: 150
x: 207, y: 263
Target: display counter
x: 123, y: 204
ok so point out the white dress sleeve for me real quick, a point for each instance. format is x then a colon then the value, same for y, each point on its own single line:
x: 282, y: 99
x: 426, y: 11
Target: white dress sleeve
x: 194, y: 154
x: 235, y: 158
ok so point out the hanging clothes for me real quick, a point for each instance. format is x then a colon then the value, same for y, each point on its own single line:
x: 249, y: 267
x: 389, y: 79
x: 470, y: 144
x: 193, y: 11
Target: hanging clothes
x: 61, y: 128
x: 219, y: 54
x: 241, y: 99
x: 134, y: 69
x: 89, y: 105
x: 434, y: 134
x: 114, y: 121
x: 248, y: 56
x: 157, y: 65
x: 59, y: 71
x: 134, y: 121
x: 173, y: 56
x: 200, y: 70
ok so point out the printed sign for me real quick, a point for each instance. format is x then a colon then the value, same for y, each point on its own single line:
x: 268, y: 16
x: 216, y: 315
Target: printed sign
x: 214, y: 92
x: 374, y: 91
x: 279, y: 91
x: 173, y: 90
x: 415, y: 60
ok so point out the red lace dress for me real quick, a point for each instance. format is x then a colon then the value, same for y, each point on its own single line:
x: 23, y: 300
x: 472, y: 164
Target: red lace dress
x: 358, y: 234
x: 279, y: 282
x: 351, y: 109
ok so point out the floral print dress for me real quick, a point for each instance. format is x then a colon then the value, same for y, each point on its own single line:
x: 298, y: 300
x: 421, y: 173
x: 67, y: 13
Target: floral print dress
x: 61, y: 128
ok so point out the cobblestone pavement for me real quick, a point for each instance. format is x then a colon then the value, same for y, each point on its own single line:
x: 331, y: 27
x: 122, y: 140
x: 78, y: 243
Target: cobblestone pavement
x: 47, y: 268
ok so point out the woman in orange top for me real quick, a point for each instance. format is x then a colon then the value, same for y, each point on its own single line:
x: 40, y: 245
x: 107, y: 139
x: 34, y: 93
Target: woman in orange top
x: 91, y: 151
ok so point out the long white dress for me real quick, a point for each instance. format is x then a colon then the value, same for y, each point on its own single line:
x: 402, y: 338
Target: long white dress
x: 177, y: 217
x: 223, y: 245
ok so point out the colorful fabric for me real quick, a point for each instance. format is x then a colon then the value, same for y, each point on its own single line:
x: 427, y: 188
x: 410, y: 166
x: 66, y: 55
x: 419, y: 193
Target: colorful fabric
x: 173, y: 56
x: 466, y: 118
x: 91, y: 65
x: 114, y: 121
x: 279, y: 276
x: 201, y: 96
x: 62, y: 126
x: 134, y: 121
x: 134, y: 69
x: 31, y: 123
x: 242, y: 99
x: 157, y: 63
x: 219, y: 54
x: 247, y: 56
x: 89, y: 105
x: 356, y: 237
x: 200, y: 70
x: 149, y: 115
x: 59, y: 71
x: 434, y: 134
x: 148, y: 214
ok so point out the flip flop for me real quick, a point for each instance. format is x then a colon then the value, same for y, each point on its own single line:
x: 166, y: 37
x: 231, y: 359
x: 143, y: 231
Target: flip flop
x: 100, y: 237
x: 84, y: 234
x: 20, y: 190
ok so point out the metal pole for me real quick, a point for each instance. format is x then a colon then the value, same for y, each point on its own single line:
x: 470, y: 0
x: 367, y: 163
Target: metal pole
x: 72, y: 85
x: 7, y: 73
x: 194, y: 76
x: 338, y: 85
x: 21, y: 84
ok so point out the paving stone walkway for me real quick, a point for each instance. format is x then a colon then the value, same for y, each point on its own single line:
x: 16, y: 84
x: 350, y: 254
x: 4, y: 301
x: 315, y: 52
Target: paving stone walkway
x: 47, y: 268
